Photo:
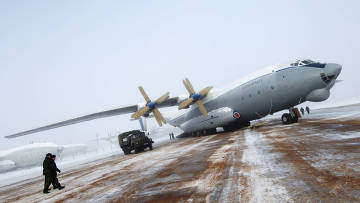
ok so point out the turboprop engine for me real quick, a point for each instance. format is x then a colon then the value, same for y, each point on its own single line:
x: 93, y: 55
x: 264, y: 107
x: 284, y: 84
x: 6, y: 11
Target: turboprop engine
x: 195, y: 97
x: 151, y: 107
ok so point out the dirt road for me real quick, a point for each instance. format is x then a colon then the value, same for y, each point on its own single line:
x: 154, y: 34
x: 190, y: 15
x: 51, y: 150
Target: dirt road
x: 314, y: 160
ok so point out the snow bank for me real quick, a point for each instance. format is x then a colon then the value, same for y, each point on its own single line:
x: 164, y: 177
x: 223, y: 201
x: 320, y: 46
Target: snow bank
x: 73, y: 150
x: 33, y: 154
x: 6, y: 165
x: 29, y: 155
x: 332, y: 104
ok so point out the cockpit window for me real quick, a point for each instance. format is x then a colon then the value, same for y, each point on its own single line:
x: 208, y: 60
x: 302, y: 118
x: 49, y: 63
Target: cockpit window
x: 302, y: 62
x: 306, y: 62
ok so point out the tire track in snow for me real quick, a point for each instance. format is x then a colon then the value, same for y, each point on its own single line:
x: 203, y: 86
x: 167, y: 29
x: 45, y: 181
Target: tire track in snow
x: 265, y: 175
x: 235, y: 182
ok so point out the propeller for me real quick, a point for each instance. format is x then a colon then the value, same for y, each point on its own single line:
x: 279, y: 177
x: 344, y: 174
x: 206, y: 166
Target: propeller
x: 151, y: 107
x: 195, y: 97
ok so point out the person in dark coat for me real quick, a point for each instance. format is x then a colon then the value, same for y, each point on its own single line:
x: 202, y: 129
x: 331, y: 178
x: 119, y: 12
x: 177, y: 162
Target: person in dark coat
x: 307, y: 109
x: 47, y: 172
x: 302, y: 110
x: 54, y: 170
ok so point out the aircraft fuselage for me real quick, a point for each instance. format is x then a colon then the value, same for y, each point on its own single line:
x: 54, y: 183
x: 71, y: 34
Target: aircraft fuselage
x: 268, y: 91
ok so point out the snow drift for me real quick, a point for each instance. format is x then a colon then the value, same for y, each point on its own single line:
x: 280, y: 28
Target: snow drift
x: 33, y: 154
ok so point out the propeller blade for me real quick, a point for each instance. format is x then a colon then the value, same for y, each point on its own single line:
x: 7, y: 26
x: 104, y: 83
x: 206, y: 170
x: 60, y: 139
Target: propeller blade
x: 205, y: 91
x: 188, y: 83
x: 147, y: 99
x: 202, y: 108
x: 162, y: 98
x: 186, y: 103
x: 140, y: 112
x: 187, y: 88
x: 159, y: 115
x: 157, y: 118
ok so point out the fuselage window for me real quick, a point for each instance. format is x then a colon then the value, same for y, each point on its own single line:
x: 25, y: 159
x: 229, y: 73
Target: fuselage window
x: 250, y: 95
x: 272, y: 87
x: 259, y: 92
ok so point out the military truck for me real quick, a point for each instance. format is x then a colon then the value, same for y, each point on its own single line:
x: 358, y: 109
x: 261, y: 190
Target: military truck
x: 134, y: 140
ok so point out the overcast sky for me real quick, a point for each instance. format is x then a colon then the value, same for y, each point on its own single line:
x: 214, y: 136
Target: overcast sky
x: 62, y: 59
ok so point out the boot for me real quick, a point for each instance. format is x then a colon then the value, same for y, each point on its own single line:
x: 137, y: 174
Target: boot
x: 60, y: 187
x: 46, y: 191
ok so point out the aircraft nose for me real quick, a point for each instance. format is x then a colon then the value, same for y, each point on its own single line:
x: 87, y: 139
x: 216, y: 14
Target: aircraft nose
x: 333, y: 69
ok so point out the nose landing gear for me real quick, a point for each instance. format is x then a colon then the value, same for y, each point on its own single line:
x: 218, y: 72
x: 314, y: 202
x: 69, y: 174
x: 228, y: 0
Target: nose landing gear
x: 291, y: 117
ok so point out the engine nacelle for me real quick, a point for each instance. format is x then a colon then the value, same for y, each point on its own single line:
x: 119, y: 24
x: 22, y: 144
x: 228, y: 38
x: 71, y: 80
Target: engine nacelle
x: 216, y: 118
x: 318, y: 95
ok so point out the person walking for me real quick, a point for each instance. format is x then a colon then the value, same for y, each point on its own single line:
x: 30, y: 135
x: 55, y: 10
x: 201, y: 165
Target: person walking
x: 302, y: 110
x: 54, y: 170
x: 307, y: 109
x: 47, y: 172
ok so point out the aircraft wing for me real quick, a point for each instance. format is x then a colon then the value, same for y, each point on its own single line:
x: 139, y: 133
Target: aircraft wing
x: 170, y: 102
x: 114, y: 112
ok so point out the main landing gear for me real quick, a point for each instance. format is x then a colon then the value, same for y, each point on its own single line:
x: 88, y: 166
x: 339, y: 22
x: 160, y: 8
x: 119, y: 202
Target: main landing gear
x: 291, y: 117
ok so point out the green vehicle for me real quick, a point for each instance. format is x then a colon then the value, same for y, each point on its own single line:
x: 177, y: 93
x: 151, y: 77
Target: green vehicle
x: 134, y: 140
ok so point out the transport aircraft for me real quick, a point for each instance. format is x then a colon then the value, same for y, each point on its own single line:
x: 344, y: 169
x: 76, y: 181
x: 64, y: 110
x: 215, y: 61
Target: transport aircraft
x: 273, y: 89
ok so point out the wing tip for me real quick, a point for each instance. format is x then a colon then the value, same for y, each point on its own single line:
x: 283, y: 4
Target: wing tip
x: 11, y: 136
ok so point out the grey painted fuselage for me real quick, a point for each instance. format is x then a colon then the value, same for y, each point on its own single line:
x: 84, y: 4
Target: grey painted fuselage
x: 272, y: 90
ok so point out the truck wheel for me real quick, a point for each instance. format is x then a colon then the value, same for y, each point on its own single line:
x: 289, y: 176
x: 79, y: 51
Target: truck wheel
x: 136, y: 150
x: 286, y: 118
x: 125, y: 151
x: 150, y: 146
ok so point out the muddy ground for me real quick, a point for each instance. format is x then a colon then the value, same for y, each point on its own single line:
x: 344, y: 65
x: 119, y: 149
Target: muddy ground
x: 314, y: 160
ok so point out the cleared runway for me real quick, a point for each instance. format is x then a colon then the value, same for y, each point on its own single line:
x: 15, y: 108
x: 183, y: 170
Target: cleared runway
x: 314, y: 160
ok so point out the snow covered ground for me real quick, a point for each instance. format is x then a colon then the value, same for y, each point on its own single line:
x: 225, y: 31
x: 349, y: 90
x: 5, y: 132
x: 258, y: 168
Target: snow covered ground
x: 26, y: 161
x: 314, y: 160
